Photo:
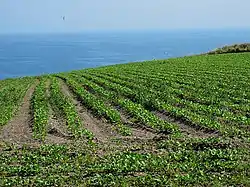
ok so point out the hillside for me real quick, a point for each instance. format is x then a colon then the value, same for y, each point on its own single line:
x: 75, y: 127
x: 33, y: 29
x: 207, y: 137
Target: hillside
x: 236, y: 48
x: 176, y: 122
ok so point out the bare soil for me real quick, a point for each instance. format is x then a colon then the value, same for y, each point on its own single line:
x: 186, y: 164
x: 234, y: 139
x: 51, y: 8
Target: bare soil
x: 139, y: 131
x: 57, y: 132
x: 103, y: 131
x: 187, y: 129
x: 19, y: 130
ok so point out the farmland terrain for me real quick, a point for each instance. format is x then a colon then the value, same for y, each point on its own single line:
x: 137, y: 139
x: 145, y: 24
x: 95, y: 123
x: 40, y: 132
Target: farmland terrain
x: 176, y: 122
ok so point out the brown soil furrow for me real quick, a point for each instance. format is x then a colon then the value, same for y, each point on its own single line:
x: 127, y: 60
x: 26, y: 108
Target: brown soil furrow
x: 102, y: 131
x: 139, y: 131
x: 57, y: 130
x: 187, y: 129
x: 19, y: 130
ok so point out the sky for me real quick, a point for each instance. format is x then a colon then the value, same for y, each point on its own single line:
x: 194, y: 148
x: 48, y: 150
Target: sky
x: 38, y: 16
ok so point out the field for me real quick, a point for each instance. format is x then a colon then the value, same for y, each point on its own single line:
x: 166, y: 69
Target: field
x: 176, y: 122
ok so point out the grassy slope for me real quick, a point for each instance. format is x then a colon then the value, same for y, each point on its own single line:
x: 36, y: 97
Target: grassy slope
x: 237, y: 48
x: 214, y: 85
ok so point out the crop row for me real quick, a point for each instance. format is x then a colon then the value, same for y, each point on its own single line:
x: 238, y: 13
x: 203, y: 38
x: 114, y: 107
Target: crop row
x: 139, y: 95
x: 234, y: 67
x: 40, y: 110
x: 180, y: 94
x: 96, y: 105
x: 11, y: 96
x: 187, y: 72
x: 149, y: 99
x: 177, y: 71
x: 194, y: 90
x: 136, y: 110
x: 172, y: 96
x: 65, y: 105
x: 201, y: 163
x: 233, y: 92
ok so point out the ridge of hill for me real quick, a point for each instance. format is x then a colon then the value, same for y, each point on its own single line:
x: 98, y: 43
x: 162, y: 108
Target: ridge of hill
x: 236, y: 48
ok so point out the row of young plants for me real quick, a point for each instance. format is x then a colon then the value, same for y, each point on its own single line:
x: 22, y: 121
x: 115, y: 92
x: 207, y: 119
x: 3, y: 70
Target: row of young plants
x: 172, y: 95
x: 7, y: 82
x: 198, y: 162
x: 138, y: 94
x: 172, y: 67
x: 234, y: 106
x: 40, y: 109
x: 203, y: 78
x: 231, y: 66
x: 230, y: 80
x: 166, y: 91
x: 96, y: 105
x: 67, y: 108
x: 11, y: 96
x: 206, y: 92
x: 235, y: 93
x: 154, y: 102
x: 199, y: 71
x: 136, y: 110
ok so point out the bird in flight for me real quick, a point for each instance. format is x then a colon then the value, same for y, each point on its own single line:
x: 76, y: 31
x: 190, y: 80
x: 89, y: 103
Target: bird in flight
x: 63, y: 18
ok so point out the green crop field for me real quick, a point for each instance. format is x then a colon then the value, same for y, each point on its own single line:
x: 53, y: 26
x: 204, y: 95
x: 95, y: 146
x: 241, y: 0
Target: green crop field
x: 176, y: 122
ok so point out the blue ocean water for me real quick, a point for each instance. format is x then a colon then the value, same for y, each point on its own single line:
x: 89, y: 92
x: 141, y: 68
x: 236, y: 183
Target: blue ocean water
x: 36, y: 54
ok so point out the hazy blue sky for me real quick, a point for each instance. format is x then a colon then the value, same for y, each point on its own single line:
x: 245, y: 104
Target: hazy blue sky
x: 81, y: 15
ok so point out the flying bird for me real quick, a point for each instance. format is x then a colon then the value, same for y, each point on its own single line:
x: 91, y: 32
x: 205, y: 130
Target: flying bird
x: 63, y: 18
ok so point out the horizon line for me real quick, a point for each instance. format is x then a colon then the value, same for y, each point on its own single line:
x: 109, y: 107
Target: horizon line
x: 124, y: 30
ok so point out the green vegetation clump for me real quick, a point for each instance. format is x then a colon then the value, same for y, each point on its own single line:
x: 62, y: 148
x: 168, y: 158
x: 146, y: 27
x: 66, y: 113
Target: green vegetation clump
x: 40, y: 111
x: 12, y: 92
x: 236, y: 48
x: 193, y: 162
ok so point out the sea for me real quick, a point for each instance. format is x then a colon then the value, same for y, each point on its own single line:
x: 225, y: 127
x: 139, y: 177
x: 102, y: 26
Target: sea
x: 37, y: 54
